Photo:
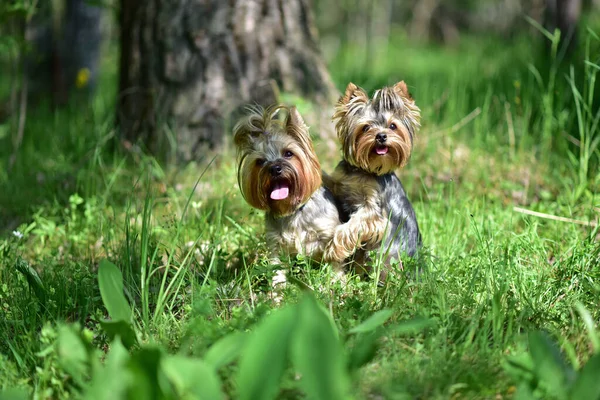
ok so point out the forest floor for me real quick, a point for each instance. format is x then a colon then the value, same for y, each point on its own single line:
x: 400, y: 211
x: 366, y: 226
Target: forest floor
x: 499, y: 139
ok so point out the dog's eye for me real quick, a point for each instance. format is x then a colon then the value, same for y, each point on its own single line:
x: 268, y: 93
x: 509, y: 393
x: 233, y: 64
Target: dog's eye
x: 260, y: 162
x: 393, y: 126
x: 366, y: 128
x: 288, y: 154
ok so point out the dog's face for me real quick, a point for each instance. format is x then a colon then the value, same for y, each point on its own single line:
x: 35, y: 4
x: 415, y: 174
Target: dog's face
x: 278, y: 169
x: 377, y: 134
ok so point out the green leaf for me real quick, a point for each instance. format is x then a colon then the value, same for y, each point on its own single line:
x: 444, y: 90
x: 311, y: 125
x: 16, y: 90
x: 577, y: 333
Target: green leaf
x: 317, y: 354
x: 411, y: 326
x: 33, y: 279
x: 373, y: 322
x: 548, y: 364
x: 14, y: 394
x: 263, y: 361
x: 364, y: 350
x: 192, y: 378
x: 587, y: 385
x: 524, y: 392
x: 144, y: 366
x: 110, y: 281
x: 520, y: 368
x: 112, y: 380
x: 225, y: 350
x: 73, y: 353
x: 121, y: 329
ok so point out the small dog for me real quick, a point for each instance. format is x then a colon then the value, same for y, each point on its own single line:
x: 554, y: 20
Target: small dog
x: 278, y: 172
x: 376, y: 137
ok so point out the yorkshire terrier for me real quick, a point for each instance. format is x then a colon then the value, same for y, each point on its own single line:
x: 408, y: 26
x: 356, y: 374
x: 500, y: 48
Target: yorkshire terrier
x: 278, y: 172
x: 376, y: 136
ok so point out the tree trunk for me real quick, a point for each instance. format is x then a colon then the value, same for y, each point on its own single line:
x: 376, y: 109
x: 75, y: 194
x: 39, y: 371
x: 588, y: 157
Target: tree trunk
x: 564, y: 15
x: 186, y: 65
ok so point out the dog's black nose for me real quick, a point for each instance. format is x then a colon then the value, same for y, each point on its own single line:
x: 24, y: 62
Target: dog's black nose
x: 276, y: 170
x: 381, y: 137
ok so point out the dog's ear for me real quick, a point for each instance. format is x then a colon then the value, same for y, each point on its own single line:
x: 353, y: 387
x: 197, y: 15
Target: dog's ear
x: 294, y: 122
x: 243, y: 134
x: 401, y: 89
x: 296, y: 127
x: 352, y: 94
x: 256, y: 123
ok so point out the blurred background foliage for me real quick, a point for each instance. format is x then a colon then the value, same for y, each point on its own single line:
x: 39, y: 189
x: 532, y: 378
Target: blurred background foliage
x: 490, y: 72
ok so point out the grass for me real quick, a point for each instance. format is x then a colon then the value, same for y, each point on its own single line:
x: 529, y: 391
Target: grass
x: 194, y: 260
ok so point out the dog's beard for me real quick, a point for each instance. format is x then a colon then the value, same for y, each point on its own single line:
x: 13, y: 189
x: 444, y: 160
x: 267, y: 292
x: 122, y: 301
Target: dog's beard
x: 379, y: 158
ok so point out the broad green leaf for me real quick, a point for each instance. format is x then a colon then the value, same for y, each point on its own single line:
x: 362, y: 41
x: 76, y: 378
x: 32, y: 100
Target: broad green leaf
x: 373, y: 322
x: 147, y: 381
x: 192, y: 378
x: 112, y: 381
x: 122, y: 329
x: 317, y: 354
x: 14, y: 394
x: 548, y: 364
x: 264, y: 359
x: 364, y: 350
x: 520, y: 368
x: 411, y: 326
x: 587, y: 385
x: 73, y: 354
x: 225, y: 350
x: 110, y: 281
x: 524, y: 392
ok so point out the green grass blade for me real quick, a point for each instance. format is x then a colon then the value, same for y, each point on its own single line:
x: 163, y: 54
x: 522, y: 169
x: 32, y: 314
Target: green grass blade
x: 590, y: 326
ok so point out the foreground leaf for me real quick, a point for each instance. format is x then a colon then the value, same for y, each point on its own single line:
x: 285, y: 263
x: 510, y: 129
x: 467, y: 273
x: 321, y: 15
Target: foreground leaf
x: 264, y: 359
x: 14, y: 394
x: 121, y: 329
x: 147, y: 382
x: 112, y: 381
x: 411, y: 326
x: 364, y: 350
x: 520, y: 368
x: 73, y: 353
x: 226, y: 350
x: 587, y: 385
x: 548, y: 364
x: 373, y: 322
x: 317, y: 354
x: 192, y: 378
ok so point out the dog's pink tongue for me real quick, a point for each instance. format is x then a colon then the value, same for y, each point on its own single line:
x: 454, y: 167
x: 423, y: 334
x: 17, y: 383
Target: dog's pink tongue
x: 280, y: 192
x: 381, y: 150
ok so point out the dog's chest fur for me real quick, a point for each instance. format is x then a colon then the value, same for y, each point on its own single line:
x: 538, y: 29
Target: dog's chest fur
x: 308, y: 230
x: 384, y: 194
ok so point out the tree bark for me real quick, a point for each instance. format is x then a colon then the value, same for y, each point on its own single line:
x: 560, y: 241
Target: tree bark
x: 186, y: 65
x: 564, y: 15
